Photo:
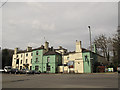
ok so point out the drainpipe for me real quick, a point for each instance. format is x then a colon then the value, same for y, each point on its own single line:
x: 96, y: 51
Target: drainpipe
x: 62, y: 60
x: 42, y: 60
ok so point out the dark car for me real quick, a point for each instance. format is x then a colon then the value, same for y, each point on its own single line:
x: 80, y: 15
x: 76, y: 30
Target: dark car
x: 15, y: 71
x: 35, y: 72
x: 24, y: 71
x: 118, y: 68
x: 30, y: 72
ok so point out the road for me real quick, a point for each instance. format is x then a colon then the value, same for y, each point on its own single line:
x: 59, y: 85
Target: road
x: 60, y: 81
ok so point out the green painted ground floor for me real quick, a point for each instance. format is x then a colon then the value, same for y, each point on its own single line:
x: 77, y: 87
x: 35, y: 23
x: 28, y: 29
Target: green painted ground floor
x: 45, y: 68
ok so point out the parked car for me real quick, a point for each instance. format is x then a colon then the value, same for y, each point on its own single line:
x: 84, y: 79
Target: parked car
x: 15, y: 71
x: 7, y: 69
x: 118, y: 68
x: 24, y: 71
x: 35, y: 72
x: 30, y: 72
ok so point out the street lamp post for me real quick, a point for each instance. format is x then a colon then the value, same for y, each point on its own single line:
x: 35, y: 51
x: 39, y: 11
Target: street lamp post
x: 90, y: 37
x: 91, y: 59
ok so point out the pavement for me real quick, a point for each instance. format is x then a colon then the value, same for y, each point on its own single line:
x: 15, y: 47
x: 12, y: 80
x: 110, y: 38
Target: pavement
x: 102, y: 80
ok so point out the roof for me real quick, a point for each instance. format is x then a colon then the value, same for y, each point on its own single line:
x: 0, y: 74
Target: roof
x: 70, y: 53
x: 23, y: 51
x: 86, y: 50
x: 60, y: 49
x: 51, y: 53
x: 83, y: 50
x: 38, y: 48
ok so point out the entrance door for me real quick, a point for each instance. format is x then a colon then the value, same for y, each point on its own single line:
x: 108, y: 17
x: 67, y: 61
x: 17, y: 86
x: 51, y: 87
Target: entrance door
x: 20, y: 67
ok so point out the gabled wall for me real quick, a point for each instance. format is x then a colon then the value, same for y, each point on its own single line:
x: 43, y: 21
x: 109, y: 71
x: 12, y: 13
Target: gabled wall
x: 40, y: 59
x: 89, y: 61
x: 23, y: 57
x: 55, y: 60
x: 78, y: 61
x: 86, y: 62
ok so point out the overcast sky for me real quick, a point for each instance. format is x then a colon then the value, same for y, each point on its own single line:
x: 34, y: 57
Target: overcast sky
x: 27, y: 23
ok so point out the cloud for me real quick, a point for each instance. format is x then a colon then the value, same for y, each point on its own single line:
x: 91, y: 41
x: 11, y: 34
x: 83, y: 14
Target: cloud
x: 32, y: 44
x: 60, y: 23
x: 43, y: 26
x: 62, y: 1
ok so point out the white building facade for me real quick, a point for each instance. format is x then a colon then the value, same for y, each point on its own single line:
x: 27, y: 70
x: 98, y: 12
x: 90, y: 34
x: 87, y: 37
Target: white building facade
x: 72, y: 61
x: 22, y: 59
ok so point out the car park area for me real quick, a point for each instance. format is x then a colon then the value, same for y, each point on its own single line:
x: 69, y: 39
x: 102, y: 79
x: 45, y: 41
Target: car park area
x: 96, y: 80
x: 10, y: 70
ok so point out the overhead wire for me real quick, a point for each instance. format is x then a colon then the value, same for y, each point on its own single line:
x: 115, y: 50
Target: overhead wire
x: 3, y: 4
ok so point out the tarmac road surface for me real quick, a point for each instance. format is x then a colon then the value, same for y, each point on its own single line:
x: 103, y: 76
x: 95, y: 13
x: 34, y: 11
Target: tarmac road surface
x: 60, y: 81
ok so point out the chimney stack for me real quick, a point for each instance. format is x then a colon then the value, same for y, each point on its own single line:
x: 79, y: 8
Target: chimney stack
x: 42, y: 46
x: 52, y: 49
x: 60, y: 47
x: 16, y: 50
x: 78, y: 46
x: 46, y: 46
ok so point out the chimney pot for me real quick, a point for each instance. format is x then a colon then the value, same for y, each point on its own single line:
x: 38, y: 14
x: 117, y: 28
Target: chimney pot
x: 29, y: 48
x: 60, y: 47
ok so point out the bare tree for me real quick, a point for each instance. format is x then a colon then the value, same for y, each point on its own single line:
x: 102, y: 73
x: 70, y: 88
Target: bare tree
x: 109, y: 47
x: 100, y: 42
x: 116, y: 47
x: 103, y: 45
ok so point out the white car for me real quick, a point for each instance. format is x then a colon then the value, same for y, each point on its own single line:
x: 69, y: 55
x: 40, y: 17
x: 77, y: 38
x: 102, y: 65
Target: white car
x: 7, y: 69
